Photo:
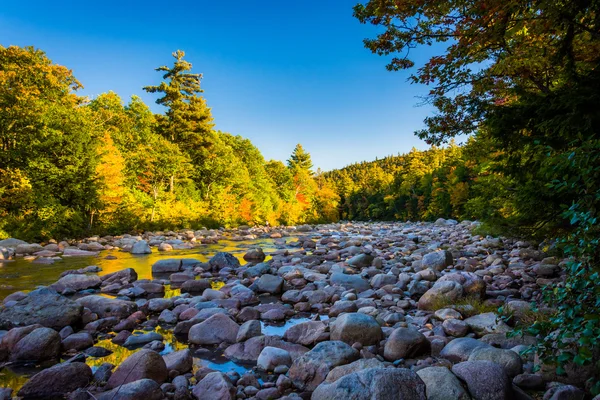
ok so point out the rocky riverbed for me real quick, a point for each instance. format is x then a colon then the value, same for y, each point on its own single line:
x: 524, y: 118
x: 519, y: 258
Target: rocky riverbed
x: 343, y: 311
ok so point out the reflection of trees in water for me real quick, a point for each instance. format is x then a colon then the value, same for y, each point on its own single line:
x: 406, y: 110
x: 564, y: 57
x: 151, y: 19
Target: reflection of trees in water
x: 11, y: 379
x: 120, y: 353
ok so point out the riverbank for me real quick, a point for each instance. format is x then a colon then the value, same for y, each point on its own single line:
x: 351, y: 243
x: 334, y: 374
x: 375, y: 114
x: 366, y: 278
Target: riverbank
x: 381, y: 310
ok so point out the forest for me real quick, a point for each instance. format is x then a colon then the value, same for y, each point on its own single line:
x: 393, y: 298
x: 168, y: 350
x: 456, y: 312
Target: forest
x: 73, y: 166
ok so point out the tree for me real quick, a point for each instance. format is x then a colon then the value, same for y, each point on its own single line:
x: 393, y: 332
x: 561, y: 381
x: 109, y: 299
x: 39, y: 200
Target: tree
x: 300, y: 159
x: 188, y: 121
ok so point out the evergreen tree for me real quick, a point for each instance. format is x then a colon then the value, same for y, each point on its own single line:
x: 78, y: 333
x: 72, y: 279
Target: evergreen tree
x: 300, y: 159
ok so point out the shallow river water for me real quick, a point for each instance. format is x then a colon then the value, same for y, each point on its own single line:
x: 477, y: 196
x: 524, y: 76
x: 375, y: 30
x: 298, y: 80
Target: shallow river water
x: 23, y: 275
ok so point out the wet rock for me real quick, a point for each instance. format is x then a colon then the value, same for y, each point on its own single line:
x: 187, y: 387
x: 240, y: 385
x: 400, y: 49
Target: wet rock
x: 195, y: 286
x: 438, y: 260
x: 40, y: 345
x: 356, y: 327
x: 358, y: 365
x: 248, y: 329
x: 374, y: 383
x: 214, y: 386
x: 271, y: 357
x: 141, y: 247
x: 103, y: 373
x: 349, y: 281
x: 269, y: 284
x: 441, y: 292
x: 309, y: 370
x: 158, y: 305
x: 405, y: 343
x: 215, y: 330
x: 223, y: 260
x: 57, y: 381
x: 305, y: 333
x: 485, y: 380
x: 140, y: 340
x: 78, y: 341
x: 165, y: 266
x: 108, y: 307
x: 12, y: 337
x: 508, y: 359
x: 461, y: 349
x: 143, y: 389
x: 44, y: 307
x: 180, y: 361
x: 441, y: 384
x: 71, y: 252
x: 360, y: 260
x: 76, y: 282
x: 140, y: 365
x: 255, y: 254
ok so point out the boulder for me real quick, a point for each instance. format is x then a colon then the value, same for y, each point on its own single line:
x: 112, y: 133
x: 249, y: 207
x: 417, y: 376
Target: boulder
x: 135, y: 340
x: 28, y: 248
x: 460, y: 349
x: 441, y: 292
x: 40, y: 345
x: 167, y: 266
x: 350, y: 281
x: 141, y: 365
x: 223, y: 260
x: 57, y: 381
x: 195, y: 286
x: 271, y: 357
x: 71, y: 252
x: 141, y: 247
x: 108, y: 307
x: 360, y: 260
x: 215, y: 330
x: 78, y: 341
x: 255, y: 255
x: 437, y: 261
x: 214, y: 386
x: 309, y: 370
x: 374, y: 383
x: 486, y: 323
x: 305, y: 333
x: 249, y: 329
x: 269, y: 284
x: 180, y: 361
x: 441, y: 384
x: 143, y: 389
x: 44, y: 307
x: 473, y: 285
x: 485, y: 380
x: 405, y: 343
x: 77, y: 282
x: 356, y: 328
x: 358, y: 365
x: 508, y: 359
x: 11, y: 242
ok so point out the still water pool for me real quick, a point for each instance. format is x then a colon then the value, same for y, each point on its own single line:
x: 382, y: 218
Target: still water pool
x: 24, y: 275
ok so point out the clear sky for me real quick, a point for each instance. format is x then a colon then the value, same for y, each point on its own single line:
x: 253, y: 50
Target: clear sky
x: 277, y: 72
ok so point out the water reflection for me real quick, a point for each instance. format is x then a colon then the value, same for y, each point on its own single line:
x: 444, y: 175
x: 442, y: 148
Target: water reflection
x: 24, y: 275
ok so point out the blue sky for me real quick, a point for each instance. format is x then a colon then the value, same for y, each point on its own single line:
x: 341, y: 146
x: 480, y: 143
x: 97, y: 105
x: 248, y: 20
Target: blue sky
x: 277, y: 72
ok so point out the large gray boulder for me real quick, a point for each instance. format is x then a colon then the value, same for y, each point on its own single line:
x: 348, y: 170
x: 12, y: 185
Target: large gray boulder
x: 374, y: 383
x: 167, y: 266
x: 180, y: 361
x: 141, y: 365
x: 44, y: 307
x: 108, y: 307
x: 485, y: 380
x: 347, y: 369
x: 143, y: 389
x: 309, y: 370
x: 356, y: 328
x: 269, y: 284
x: 350, y: 281
x: 141, y: 247
x: 215, y: 330
x: 461, y: 349
x: 223, y: 260
x: 441, y: 384
x: 405, y: 343
x: 40, y: 345
x: 508, y: 359
x: 57, y: 381
x: 441, y: 293
x: 306, y: 333
x: 77, y: 282
x: 438, y: 260
x: 11, y: 242
x: 214, y: 386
